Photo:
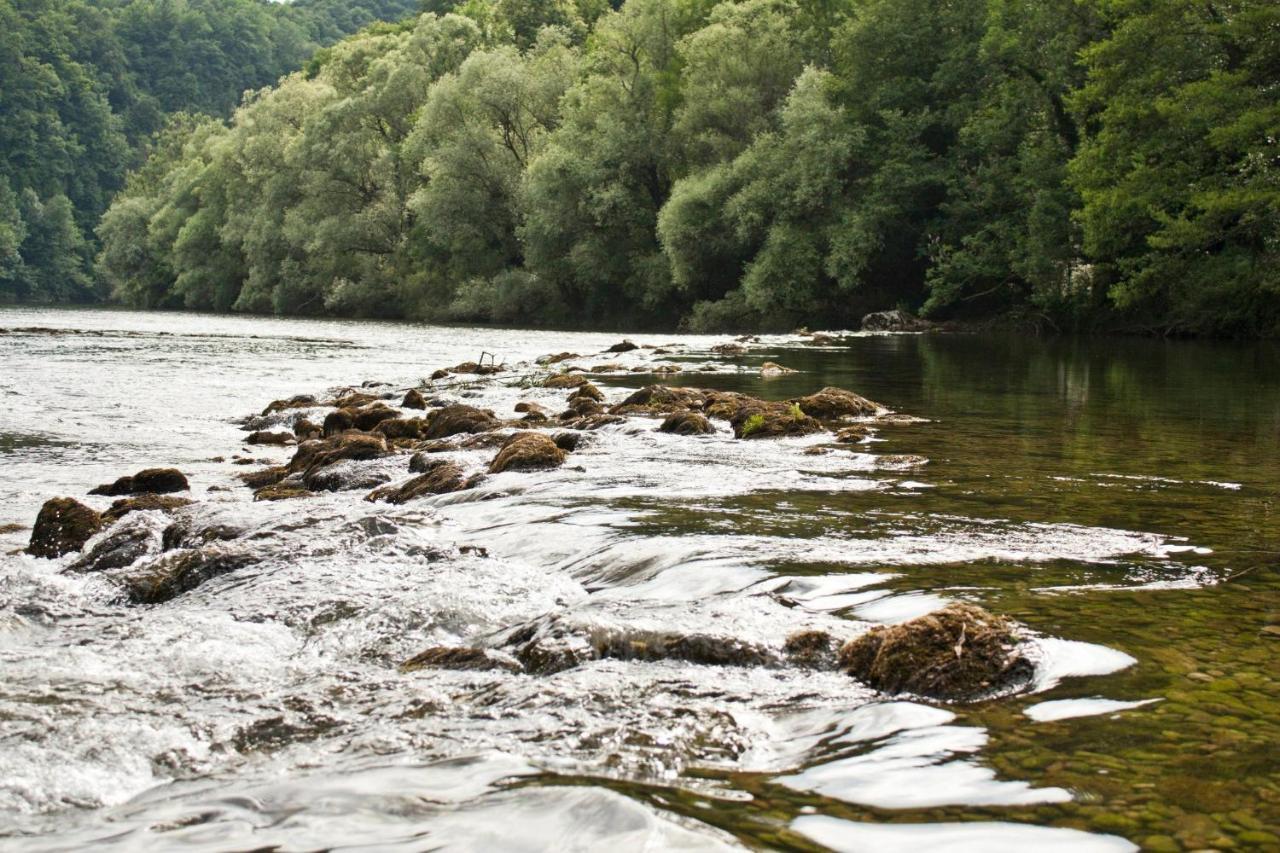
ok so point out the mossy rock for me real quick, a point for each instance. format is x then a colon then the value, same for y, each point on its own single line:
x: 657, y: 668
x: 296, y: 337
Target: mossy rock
x: 150, y: 480
x: 62, y: 526
x: 440, y: 478
x: 831, y: 403
x: 458, y: 418
x: 527, y: 451
x: 961, y: 653
x: 687, y: 423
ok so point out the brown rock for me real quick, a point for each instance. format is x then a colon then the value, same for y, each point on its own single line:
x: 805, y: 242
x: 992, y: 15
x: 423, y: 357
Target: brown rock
x: 772, y: 421
x: 401, y: 428
x: 589, y: 391
x: 62, y: 526
x: 960, y: 653
x: 812, y: 649
x: 349, y: 445
x: 623, y: 346
x: 565, y: 380
x: 304, y: 430
x: 413, y: 399
x: 281, y: 492
x: 300, y: 401
x: 687, y: 423
x: 559, y: 357
x: 263, y: 436
x: 458, y: 418
x: 153, y: 480
x: 831, y: 403
x: 527, y: 451
x: 440, y: 478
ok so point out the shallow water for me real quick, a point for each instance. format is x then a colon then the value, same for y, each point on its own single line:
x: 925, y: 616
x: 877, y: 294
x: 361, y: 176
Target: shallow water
x: 1118, y: 497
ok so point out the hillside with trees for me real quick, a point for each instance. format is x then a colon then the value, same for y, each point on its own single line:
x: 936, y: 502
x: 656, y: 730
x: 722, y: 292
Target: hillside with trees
x: 84, y: 85
x: 1077, y: 164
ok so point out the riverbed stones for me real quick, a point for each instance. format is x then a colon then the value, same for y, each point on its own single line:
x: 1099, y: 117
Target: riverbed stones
x: 687, y: 423
x: 623, y: 346
x: 122, y: 545
x: 771, y: 369
x: 413, y: 399
x: 440, y: 477
x: 458, y: 418
x: 660, y: 400
x: 832, y: 403
x: 527, y: 451
x: 150, y: 480
x: 62, y: 526
x: 305, y: 430
x: 961, y: 653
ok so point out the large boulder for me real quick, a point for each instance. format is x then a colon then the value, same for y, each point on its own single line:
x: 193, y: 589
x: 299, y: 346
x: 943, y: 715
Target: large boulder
x: 961, y: 653
x: 458, y: 418
x: 831, y: 403
x: 150, y: 480
x: 439, y: 478
x: 63, y: 526
x: 687, y: 423
x: 894, y: 321
x: 527, y: 451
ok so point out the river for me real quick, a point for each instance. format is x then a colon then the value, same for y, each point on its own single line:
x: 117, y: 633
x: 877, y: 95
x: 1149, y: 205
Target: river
x: 1119, y: 497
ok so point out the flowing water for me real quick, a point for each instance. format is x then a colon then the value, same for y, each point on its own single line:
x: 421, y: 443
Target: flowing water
x: 1117, y: 497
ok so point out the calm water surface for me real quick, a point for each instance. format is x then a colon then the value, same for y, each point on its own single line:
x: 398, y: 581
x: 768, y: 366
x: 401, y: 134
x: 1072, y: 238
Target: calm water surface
x: 1118, y: 497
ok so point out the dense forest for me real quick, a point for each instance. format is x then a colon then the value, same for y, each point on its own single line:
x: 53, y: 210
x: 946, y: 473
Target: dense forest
x: 86, y: 84
x: 721, y: 165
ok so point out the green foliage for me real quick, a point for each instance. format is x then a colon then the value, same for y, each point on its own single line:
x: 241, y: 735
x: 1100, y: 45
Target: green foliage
x: 85, y: 84
x: 717, y: 165
x: 752, y: 424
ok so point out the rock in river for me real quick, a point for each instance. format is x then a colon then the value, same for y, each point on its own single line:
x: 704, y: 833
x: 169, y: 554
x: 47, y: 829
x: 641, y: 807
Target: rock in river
x: 687, y: 423
x: 961, y: 653
x: 151, y: 480
x: 527, y: 451
x: 63, y: 526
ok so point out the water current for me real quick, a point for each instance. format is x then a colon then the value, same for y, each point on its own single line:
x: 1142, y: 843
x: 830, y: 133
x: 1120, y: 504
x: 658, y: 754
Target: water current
x: 1119, y: 498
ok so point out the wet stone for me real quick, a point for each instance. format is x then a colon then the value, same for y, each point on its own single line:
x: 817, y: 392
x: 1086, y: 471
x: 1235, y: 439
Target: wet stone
x: 63, y: 526
x: 153, y: 480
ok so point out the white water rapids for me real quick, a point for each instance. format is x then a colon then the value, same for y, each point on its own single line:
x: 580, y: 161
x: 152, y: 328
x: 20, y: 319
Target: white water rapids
x: 265, y: 709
